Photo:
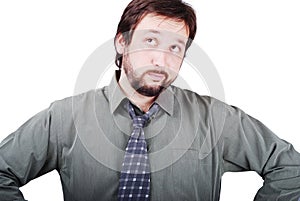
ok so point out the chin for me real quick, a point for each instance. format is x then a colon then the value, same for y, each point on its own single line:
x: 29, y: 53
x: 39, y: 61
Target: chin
x: 150, y: 91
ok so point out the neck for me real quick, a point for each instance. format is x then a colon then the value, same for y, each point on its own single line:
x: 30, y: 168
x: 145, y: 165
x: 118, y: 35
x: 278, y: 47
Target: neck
x: 143, y: 102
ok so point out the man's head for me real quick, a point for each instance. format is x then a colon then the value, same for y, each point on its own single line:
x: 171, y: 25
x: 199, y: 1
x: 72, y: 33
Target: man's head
x: 151, y: 42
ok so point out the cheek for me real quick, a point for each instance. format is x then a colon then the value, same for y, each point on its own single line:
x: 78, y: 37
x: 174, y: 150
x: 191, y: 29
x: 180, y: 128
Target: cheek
x: 175, y: 63
x: 140, y: 59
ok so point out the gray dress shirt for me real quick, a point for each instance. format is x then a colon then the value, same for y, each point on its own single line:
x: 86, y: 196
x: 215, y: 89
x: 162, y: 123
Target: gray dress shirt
x: 192, y: 141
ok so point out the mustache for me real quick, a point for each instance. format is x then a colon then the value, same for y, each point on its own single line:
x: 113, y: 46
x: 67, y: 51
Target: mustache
x: 161, y: 71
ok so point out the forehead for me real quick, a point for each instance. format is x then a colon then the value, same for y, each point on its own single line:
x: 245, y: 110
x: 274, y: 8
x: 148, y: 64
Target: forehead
x: 164, y: 24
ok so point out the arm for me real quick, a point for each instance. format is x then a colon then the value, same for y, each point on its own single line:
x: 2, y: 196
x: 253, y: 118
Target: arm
x: 28, y: 153
x: 249, y: 145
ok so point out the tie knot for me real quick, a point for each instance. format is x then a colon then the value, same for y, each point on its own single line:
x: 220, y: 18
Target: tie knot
x: 140, y: 121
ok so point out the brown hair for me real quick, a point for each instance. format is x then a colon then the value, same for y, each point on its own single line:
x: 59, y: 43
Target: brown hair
x: 137, y: 9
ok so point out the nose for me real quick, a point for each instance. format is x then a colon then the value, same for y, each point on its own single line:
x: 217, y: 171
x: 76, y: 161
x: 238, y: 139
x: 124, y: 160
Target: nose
x: 159, y: 58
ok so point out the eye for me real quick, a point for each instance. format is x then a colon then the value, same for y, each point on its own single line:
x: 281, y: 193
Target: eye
x: 151, y: 41
x: 175, y: 48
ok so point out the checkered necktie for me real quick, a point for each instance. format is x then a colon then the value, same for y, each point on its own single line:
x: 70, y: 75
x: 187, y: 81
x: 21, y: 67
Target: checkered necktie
x: 134, y: 183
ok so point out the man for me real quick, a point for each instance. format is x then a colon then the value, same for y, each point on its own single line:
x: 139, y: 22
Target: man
x: 81, y: 136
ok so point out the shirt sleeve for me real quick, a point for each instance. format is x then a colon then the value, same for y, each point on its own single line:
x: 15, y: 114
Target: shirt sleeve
x: 250, y: 145
x: 28, y: 153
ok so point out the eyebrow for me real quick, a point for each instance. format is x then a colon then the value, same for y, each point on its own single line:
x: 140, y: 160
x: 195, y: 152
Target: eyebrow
x: 158, y: 32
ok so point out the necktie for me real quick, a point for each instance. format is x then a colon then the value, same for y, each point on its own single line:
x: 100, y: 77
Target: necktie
x: 134, y: 183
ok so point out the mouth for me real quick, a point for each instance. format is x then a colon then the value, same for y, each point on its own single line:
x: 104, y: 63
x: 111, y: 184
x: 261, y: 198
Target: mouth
x: 156, y: 76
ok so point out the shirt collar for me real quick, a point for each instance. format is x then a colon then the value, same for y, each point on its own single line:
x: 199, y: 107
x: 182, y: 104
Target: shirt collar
x: 115, y: 94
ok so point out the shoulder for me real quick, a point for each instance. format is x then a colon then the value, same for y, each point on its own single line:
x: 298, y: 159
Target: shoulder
x: 192, y: 98
x: 79, y: 100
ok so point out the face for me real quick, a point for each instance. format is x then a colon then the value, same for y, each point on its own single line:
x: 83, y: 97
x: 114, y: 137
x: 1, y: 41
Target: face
x: 152, y: 60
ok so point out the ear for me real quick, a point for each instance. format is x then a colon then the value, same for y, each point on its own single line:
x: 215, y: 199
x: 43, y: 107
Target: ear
x: 120, y: 43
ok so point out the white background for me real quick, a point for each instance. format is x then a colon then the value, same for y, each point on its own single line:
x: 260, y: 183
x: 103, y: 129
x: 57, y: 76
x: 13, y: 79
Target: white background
x: 254, y: 45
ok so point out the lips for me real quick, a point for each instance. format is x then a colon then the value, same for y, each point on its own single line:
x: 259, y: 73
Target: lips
x: 155, y: 76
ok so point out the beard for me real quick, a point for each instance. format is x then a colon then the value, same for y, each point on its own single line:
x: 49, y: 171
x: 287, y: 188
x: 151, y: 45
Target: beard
x: 141, y: 87
x: 139, y: 82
